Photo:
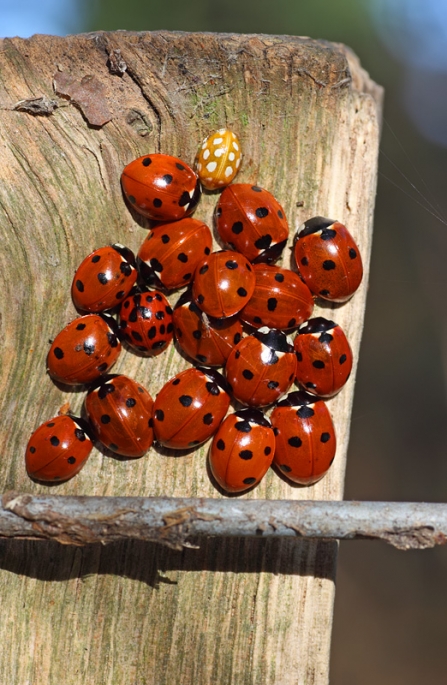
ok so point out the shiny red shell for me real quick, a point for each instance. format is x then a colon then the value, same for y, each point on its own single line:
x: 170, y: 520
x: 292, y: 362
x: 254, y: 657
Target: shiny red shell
x: 171, y: 252
x: 250, y: 220
x: 261, y: 368
x: 242, y: 450
x: 206, y: 341
x: 104, y: 278
x: 280, y: 299
x: 161, y: 187
x: 189, y: 408
x: 57, y: 450
x: 146, y: 322
x: 324, y: 357
x: 223, y: 284
x: 84, y: 350
x: 305, y: 438
x: 328, y: 259
x: 120, y: 411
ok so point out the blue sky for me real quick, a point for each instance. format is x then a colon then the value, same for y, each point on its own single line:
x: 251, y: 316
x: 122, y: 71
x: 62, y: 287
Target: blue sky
x: 25, y: 17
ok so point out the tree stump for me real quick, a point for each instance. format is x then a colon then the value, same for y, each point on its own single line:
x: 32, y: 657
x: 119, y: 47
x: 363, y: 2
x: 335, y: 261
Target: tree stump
x: 74, y: 111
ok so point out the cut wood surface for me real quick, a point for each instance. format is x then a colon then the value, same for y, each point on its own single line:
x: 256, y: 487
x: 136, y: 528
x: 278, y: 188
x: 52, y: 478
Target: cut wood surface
x: 74, y: 111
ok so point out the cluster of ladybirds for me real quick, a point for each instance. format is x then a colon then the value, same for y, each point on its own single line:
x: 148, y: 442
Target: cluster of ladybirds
x: 229, y: 292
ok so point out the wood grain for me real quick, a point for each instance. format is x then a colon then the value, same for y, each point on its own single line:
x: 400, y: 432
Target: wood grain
x: 234, y: 611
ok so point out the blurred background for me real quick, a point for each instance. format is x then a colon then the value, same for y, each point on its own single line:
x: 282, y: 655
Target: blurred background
x: 390, y: 611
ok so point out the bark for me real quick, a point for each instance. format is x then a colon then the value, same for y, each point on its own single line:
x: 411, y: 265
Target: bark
x: 73, y: 112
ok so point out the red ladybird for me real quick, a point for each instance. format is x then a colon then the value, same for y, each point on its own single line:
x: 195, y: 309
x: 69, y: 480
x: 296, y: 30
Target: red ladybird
x: 328, y: 259
x: 84, y: 350
x: 120, y: 411
x: 58, y: 449
x: 207, y: 341
x: 104, y: 278
x: 242, y: 450
x: 280, y: 299
x: 249, y: 219
x: 305, y: 438
x: 146, y: 322
x: 324, y: 357
x: 223, y: 284
x: 161, y: 187
x: 261, y: 368
x: 171, y: 252
x: 190, y: 407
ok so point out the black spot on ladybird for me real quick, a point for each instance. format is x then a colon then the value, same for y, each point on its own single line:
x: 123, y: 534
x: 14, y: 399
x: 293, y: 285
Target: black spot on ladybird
x: 257, y: 319
x: 242, y: 426
x: 167, y: 178
x: 212, y: 388
x: 184, y: 199
x: 105, y: 418
x: 237, y: 227
x: 272, y: 385
x: 246, y: 454
x: 207, y: 250
x: 156, y: 265
x: 159, y: 315
x: 318, y: 364
x: 182, y: 257
x: 201, y: 358
x: 176, y: 381
x: 279, y: 278
x: 264, y: 241
x: 249, y: 481
x: 113, y: 446
x: 150, y: 423
x: 305, y: 412
x: 159, y: 415
x: 120, y: 294
x: 295, y: 441
x: 304, y: 261
x: 203, y: 269
x: 180, y: 166
x: 102, y: 278
x: 237, y: 338
x: 197, y: 334
x: 157, y: 202
x: 54, y: 441
x: 220, y: 445
x: 185, y: 400
x: 242, y: 292
x: 329, y: 265
x: 96, y: 258
x: 32, y: 449
x: 208, y: 419
x: 291, y: 323
x: 261, y: 212
x: 325, y: 437
x: 285, y: 468
x: 326, y: 338
x: 165, y: 238
x: 328, y: 234
x: 130, y: 402
x: 79, y: 286
x: 280, y: 214
x: 272, y: 303
x: 58, y: 353
x: 231, y: 264
x: 146, y: 161
x: 200, y: 299
x: 352, y: 253
x: 131, y: 199
x: 247, y: 374
x: 152, y: 332
x: 80, y: 326
x: 257, y: 189
x: 187, y: 276
x: 71, y: 460
x: 102, y: 367
x: 299, y: 356
x: 342, y: 359
x: 267, y: 450
x: 89, y: 348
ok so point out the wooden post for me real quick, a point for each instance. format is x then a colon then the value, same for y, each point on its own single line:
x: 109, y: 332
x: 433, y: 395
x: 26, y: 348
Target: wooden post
x: 73, y: 112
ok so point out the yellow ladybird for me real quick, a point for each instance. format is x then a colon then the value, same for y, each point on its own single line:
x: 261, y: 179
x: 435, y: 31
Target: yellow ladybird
x: 218, y: 159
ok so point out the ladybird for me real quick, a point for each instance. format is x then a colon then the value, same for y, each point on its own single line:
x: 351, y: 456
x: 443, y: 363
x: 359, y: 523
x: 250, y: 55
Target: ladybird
x: 120, y: 411
x: 171, y: 252
x: 161, y: 187
x: 280, y: 299
x: 250, y: 220
x: 305, y: 438
x: 328, y: 259
x: 242, y: 450
x: 84, y: 350
x: 205, y: 340
x: 324, y: 357
x: 218, y: 159
x: 190, y: 407
x: 145, y: 322
x: 104, y: 278
x: 58, y: 449
x: 261, y: 368
x: 223, y: 284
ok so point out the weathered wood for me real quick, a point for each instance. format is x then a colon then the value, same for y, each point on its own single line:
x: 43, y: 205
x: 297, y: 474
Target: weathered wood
x: 174, y: 521
x: 241, y: 611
